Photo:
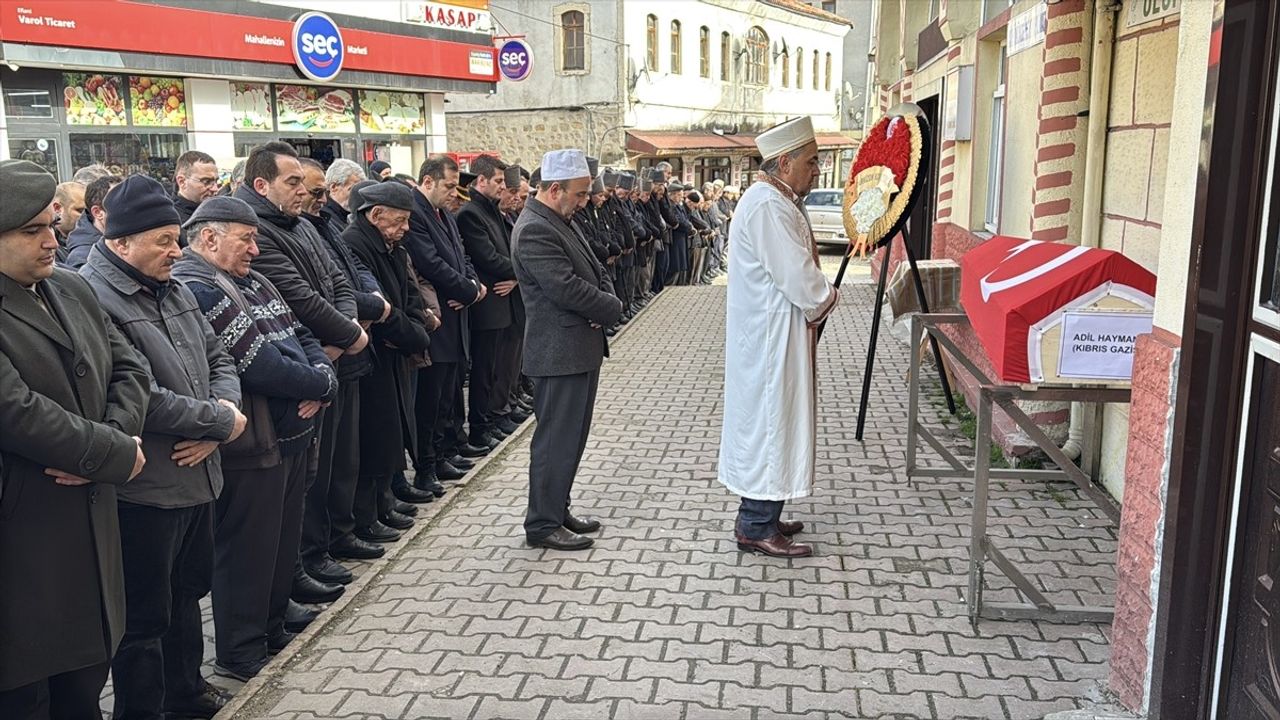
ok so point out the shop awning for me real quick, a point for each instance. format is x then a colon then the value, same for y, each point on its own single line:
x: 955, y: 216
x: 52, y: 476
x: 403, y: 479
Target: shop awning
x: 660, y: 142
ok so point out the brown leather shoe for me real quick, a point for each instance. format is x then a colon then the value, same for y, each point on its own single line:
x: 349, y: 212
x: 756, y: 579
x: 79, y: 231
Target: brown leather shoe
x: 778, y: 546
x: 790, y: 527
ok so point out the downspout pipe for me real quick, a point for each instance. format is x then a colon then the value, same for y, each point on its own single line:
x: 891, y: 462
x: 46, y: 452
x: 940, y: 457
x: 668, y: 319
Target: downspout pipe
x: 1095, y: 163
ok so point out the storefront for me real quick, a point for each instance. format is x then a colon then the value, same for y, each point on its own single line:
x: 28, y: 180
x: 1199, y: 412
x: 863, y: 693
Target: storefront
x: 698, y: 157
x: 83, y: 83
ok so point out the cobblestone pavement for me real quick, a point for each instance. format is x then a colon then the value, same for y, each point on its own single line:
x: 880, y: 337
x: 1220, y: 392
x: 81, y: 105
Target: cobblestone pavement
x: 664, y: 618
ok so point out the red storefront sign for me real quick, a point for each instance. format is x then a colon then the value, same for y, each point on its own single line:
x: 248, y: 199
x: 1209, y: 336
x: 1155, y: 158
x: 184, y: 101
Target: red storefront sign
x: 158, y: 29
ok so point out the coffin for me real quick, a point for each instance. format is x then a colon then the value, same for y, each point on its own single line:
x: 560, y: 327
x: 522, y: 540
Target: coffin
x: 1055, y: 313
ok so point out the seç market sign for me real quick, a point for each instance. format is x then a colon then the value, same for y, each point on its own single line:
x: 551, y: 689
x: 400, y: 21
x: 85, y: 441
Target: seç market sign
x: 317, y: 46
x: 465, y: 17
x: 515, y: 60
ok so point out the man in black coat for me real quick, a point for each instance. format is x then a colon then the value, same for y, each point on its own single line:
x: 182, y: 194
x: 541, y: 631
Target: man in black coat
x: 388, y: 425
x: 73, y: 396
x: 293, y: 257
x: 435, y: 246
x: 195, y: 179
x: 569, y: 300
x: 493, y: 340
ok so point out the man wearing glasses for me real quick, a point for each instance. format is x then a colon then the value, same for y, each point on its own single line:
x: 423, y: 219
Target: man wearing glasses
x: 195, y: 180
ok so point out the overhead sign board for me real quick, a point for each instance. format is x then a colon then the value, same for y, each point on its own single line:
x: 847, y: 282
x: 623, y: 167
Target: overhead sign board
x: 449, y: 16
x: 515, y: 60
x: 317, y: 46
x: 1145, y: 11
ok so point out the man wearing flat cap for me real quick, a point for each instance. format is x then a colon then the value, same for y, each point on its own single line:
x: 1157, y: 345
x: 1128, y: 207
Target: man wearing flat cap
x: 569, y: 300
x: 73, y: 397
x: 285, y: 377
x: 777, y: 298
x: 388, y: 420
x: 166, y: 513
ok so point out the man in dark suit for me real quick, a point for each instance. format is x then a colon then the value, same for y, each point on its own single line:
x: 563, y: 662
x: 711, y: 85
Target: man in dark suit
x: 569, y: 300
x: 435, y: 246
x: 73, y: 396
x: 488, y: 245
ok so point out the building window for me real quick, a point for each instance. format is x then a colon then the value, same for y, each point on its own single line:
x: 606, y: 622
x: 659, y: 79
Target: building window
x: 935, y: 9
x: 676, y: 64
x: 828, y: 76
x: 786, y: 69
x: 995, y: 156
x: 799, y: 68
x: 573, y: 54
x: 815, y: 70
x: 725, y: 45
x: 651, y: 42
x: 992, y: 8
x: 829, y: 6
x: 757, y: 57
x: 704, y: 52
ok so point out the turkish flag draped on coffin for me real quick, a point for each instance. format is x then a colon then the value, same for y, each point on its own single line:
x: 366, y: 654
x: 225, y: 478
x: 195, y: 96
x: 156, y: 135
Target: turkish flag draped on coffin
x: 1014, y: 289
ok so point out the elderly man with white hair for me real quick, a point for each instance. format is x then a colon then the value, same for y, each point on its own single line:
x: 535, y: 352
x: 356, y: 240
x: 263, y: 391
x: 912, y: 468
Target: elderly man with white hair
x: 777, y: 297
x: 342, y: 175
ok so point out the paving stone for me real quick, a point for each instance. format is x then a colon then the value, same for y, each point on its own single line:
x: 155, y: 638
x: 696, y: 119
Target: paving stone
x: 360, y: 702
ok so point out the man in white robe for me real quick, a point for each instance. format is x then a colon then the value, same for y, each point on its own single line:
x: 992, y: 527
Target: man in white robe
x: 777, y: 297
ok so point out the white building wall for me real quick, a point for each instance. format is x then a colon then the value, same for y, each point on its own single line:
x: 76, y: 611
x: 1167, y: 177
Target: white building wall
x: 662, y: 100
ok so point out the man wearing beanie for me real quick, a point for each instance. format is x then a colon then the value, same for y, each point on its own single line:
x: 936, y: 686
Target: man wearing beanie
x: 166, y: 513
x: 73, y: 396
x: 293, y: 257
x: 388, y: 424
x: 285, y: 378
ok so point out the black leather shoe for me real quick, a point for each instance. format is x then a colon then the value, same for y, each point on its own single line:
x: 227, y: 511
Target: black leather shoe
x: 307, y: 589
x: 581, y: 525
x: 278, y: 641
x: 492, y: 440
x: 611, y: 331
x: 353, y: 548
x: 445, y: 471
x: 518, y: 416
x: 297, y: 617
x: 329, y: 571
x: 507, y: 426
x: 461, y: 463
x: 405, y: 508
x: 410, y: 494
x: 562, y: 539
x: 474, y: 451
x: 395, y: 520
x: 377, y: 533
x: 244, y: 672
x: 205, y: 705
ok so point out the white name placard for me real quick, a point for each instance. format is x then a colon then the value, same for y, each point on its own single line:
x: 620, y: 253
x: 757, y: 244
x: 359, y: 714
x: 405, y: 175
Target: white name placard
x: 1098, y: 345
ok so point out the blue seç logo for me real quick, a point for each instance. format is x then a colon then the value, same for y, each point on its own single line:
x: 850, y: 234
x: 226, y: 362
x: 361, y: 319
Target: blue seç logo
x: 317, y: 46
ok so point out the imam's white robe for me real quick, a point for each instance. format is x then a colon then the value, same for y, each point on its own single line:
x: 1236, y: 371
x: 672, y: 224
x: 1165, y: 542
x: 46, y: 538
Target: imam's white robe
x: 777, y: 293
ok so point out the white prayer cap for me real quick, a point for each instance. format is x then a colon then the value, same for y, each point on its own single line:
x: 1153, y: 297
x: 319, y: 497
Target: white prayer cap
x: 559, y: 165
x: 790, y: 135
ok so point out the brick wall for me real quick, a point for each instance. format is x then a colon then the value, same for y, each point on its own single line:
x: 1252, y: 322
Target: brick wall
x: 1155, y: 369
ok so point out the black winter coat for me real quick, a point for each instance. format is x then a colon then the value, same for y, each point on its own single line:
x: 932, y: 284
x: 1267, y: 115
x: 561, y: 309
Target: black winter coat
x: 488, y: 244
x: 434, y: 244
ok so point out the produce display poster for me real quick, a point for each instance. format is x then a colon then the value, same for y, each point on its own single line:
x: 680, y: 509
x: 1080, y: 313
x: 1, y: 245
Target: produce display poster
x: 305, y: 108
x: 396, y: 113
x: 93, y: 99
x: 158, y: 102
x: 251, y: 106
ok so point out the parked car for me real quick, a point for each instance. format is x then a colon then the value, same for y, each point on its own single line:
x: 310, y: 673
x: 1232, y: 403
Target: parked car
x: 826, y: 214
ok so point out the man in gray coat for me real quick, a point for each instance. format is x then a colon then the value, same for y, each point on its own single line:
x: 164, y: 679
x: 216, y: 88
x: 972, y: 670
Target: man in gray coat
x: 568, y: 300
x: 73, y: 395
x: 166, y: 513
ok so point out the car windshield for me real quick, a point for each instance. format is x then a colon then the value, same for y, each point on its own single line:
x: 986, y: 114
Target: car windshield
x: 823, y: 199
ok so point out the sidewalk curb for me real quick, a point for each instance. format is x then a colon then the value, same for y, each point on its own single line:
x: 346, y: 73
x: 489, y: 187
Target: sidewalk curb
x: 338, y: 609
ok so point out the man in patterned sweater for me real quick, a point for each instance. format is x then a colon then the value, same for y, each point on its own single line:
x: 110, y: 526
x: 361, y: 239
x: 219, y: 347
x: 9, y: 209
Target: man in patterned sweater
x: 259, y: 515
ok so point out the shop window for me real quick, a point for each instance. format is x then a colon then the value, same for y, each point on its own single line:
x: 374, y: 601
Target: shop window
x: 307, y: 109
x: 157, y: 102
x: 725, y: 49
x: 799, y: 68
x: 651, y: 42
x: 677, y: 65
x: 251, y: 106
x: 93, y: 99
x: 704, y: 52
x: 28, y: 104
x: 827, y: 84
x: 153, y: 154
x: 41, y: 151
x: 392, y: 113
x: 573, y: 40
x: 995, y: 155
x: 786, y: 69
x: 757, y: 57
